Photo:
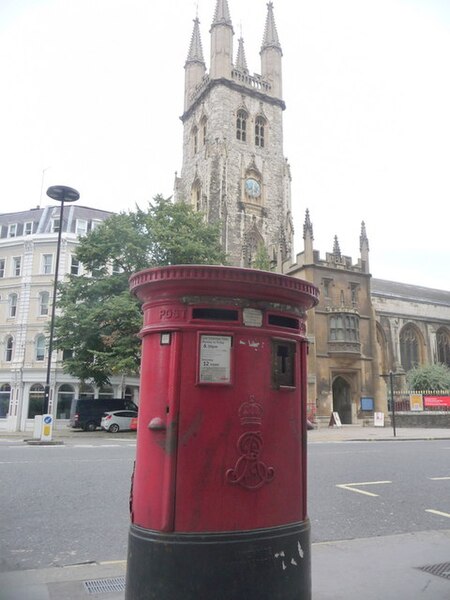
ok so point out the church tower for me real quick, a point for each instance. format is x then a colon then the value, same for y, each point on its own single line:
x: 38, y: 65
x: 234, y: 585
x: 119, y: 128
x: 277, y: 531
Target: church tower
x: 233, y: 167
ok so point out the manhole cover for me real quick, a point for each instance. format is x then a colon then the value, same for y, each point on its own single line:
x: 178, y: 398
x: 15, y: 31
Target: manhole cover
x: 103, y: 586
x: 442, y: 570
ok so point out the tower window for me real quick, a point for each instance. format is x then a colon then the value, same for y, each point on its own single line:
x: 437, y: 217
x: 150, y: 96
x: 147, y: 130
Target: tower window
x: 259, y: 132
x: 241, y: 126
x: 195, y: 139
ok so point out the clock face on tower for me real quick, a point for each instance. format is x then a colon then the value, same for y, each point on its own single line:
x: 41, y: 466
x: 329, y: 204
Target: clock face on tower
x: 252, y: 188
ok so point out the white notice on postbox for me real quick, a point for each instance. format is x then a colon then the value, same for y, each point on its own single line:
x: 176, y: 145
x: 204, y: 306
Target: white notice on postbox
x: 215, y: 359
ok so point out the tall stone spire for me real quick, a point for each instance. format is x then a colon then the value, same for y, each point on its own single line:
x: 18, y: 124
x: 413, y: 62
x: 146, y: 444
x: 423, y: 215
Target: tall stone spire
x: 222, y: 13
x: 194, y: 66
x: 195, y: 53
x: 270, y: 39
x: 241, y: 61
x: 336, y: 248
x: 221, y: 42
x: 271, y: 54
x: 364, y: 248
x: 308, y: 239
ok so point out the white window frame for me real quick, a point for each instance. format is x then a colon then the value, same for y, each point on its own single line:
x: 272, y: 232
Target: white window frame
x: 17, y: 266
x: 13, y: 300
x: 56, y: 224
x: 39, y: 347
x: 75, y: 264
x: 28, y: 228
x: 95, y: 223
x: 81, y: 227
x: 44, y: 303
x: 12, y: 230
x: 46, y: 264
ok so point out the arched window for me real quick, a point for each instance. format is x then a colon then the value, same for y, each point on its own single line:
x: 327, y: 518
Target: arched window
x: 40, y: 347
x: 409, y: 347
x: 196, y: 196
x: 35, y: 400
x: 5, y: 397
x: 9, y: 348
x: 259, y: 131
x: 195, y: 139
x: 106, y: 391
x: 86, y: 391
x: 443, y: 346
x: 66, y: 394
x: 12, y: 305
x: 43, y: 303
x: 241, y: 125
x: 128, y: 394
x: 204, y: 129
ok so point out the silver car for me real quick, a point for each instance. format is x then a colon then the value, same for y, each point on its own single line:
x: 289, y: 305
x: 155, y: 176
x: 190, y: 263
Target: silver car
x: 117, y: 420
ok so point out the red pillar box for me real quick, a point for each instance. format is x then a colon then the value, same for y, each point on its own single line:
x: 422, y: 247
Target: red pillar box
x: 218, y: 504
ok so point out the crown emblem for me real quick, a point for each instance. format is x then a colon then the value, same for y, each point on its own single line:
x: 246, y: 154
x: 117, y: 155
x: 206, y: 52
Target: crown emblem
x: 250, y: 413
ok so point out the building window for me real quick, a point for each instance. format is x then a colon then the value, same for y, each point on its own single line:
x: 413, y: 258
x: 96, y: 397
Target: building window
x: 443, y: 347
x: 106, y: 392
x: 67, y: 354
x: 66, y: 394
x: 95, y: 223
x: 81, y: 227
x: 203, y: 126
x: 195, y: 139
x: 12, y: 230
x: 327, y: 287
x: 344, y: 328
x: 17, y: 266
x: 354, y: 293
x: 9, y: 348
x: 2, y: 267
x: 28, y: 228
x: 12, y: 305
x: 259, y: 132
x: 55, y: 225
x: 43, y: 303
x: 241, y: 125
x: 47, y: 264
x: 86, y: 391
x: 74, y: 266
x: 409, y: 347
x: 35, y: 400
x: 40, y: 348
x: 116, y: 268
x: 5, y: 397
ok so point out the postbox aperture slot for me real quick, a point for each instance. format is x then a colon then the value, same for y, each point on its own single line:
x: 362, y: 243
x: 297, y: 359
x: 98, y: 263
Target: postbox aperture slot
x: 215, y: 314
x: 283, y: 363
x: 283, y: 321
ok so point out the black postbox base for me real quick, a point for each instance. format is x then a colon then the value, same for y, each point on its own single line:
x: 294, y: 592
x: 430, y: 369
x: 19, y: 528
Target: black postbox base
x: 265, y: 564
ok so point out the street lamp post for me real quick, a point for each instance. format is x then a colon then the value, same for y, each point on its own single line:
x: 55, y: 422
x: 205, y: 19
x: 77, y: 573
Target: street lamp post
x: 63, y: 194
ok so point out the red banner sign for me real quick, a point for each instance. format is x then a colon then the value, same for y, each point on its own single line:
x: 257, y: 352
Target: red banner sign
x: 436, y: 401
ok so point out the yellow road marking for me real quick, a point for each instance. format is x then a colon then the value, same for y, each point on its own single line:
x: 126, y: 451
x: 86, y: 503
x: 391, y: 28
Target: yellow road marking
x: 351, y: 487
x: 438, y: 512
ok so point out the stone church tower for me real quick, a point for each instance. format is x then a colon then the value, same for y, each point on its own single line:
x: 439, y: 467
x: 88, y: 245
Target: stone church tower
x: 233, y: 167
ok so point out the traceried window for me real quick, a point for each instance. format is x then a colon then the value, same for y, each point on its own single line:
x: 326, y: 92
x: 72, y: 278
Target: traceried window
x: 259, y: 132
x: 43, y: 303
x: 344, y: 327
x: 17, y: 266
x: 47, y: 264
x: 195, y: 139
x: 12, y: 305
x: 241, y: 126
x: 40, y: 348
x: 409, y: 347
x: 443, y: 347
x: 9, y: 348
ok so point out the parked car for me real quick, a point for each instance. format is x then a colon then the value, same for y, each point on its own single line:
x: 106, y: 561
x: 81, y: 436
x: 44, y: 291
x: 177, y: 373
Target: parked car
x: 118, y: 420
x: 86, y: 413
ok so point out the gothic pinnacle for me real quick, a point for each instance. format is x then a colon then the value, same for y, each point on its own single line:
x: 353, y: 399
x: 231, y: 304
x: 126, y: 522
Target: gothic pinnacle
x: 241, y: 61
x: 222, y: 13
x: 195, y: 53
x: 270, y: 38
x: 363, y: 239
x: 336, y: 248
x: 307, y: 226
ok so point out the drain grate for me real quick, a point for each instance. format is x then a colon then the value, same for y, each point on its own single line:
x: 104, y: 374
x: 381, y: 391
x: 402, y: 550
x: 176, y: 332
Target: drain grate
x: 442, y: 570
x: 103, y: 586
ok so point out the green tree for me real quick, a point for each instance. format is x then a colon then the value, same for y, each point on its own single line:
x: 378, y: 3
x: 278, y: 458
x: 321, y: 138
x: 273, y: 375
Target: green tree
x: 100, y: 319
x: 429, y: 377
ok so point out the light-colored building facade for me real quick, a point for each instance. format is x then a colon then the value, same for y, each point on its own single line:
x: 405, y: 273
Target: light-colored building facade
x: 28, y: 242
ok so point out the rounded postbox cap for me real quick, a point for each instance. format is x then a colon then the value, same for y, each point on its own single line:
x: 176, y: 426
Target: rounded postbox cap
x: 214, y: 280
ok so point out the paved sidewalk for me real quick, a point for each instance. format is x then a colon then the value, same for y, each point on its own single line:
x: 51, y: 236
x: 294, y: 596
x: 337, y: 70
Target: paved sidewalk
x: 388, y: 568
x: 357, y: 433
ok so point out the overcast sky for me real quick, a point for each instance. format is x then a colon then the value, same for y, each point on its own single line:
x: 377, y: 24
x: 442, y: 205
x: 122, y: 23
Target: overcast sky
x: 92, y: 91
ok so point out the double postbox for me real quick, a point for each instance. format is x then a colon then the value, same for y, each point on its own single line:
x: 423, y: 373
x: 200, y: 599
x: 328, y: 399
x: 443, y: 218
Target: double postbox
x: 218, y: 500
